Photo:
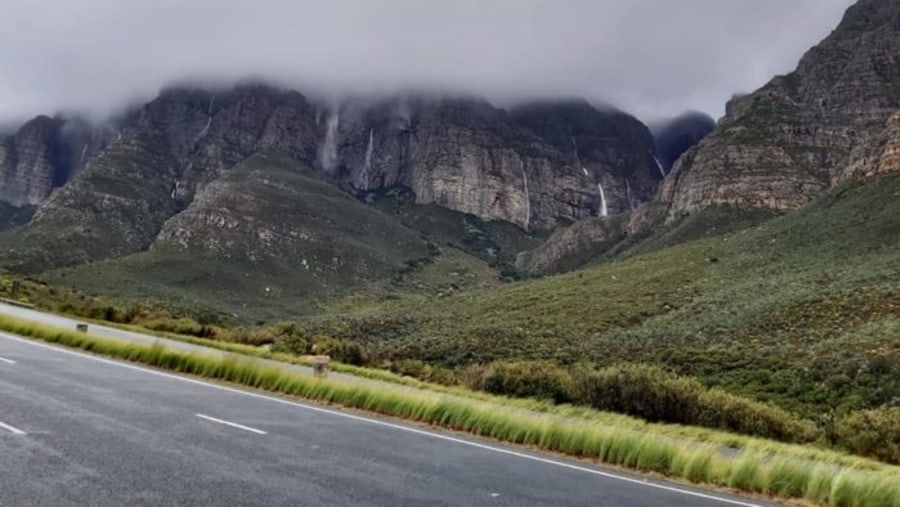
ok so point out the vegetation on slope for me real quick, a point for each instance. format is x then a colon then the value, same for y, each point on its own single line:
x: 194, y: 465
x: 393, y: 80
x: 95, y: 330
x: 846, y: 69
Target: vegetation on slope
x: 802, y: 311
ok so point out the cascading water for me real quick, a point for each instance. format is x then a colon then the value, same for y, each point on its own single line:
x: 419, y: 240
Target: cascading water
x: 205, y: 129
x: 628, y: 194
x: 659, y: 166
x: 370, y: 148
x: 527, y: 198
x: 329, y: 149
x: 83, y: 153
x: 603, y: 209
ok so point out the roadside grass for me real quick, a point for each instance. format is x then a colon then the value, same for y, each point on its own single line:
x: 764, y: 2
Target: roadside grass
x: 778, y: 472
x: 679, y: 432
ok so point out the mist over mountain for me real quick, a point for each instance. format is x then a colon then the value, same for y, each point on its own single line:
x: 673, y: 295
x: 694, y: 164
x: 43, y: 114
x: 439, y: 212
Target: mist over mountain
x: 651, y: 59
x: 676, y: 136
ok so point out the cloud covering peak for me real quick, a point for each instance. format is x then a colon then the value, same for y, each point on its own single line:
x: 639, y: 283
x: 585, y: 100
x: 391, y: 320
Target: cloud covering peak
x: 653, y: 58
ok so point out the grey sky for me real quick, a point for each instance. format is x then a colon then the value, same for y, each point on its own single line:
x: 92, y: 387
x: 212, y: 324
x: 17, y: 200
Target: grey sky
x: 650, y: 57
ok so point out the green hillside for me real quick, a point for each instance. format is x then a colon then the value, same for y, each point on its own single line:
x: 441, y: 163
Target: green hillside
x: 267, y: 239
x: 802, y: 310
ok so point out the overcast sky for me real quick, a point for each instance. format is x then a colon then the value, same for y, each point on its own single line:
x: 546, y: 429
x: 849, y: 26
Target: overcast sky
x: 653, y: 58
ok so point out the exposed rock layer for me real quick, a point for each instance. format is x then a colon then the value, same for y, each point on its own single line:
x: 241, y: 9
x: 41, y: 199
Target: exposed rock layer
x: 782, y: 145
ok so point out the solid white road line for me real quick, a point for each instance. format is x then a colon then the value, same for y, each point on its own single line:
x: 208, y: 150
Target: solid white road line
x: 7, y: 361
x: 500, y: 450
x: 233, y: 425
x: 11, y: 429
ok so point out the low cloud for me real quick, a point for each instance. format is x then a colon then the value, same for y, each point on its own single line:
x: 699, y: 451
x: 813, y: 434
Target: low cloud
x: 654, y: 58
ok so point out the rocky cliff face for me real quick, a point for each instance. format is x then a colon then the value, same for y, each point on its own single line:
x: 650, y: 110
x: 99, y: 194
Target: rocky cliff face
x: 33, y: 161
x: 879, y: 156
x: 782, y: 145
x: 539, y: 167
x: 43, y: 155
x: 115, y: 206
x: 613, y: 154
x: 467, y: 155
x: 572, y: 247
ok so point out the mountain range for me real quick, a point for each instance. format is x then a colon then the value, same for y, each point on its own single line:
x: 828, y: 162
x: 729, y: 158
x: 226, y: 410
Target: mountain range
x: 261, y: 201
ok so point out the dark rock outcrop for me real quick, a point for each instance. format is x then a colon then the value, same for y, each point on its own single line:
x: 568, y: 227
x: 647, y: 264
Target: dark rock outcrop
x: 464, y: 154
x: 461, y: 153
x: 879, y: 156
x: 43, y: 154
x: 572, y: 247
x: 782, y: 145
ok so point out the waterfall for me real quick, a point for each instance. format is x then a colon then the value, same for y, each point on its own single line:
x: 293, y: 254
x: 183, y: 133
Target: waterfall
x: 659, y: 166
x: 628, y: 194
x: 370, y: 148
x: 603, y: 210
x: 205, y: 129
x: 527, y: 198
x: 83, y: 153
x: 209, y: 109
x: 329, y: 149
x: 584, y: 170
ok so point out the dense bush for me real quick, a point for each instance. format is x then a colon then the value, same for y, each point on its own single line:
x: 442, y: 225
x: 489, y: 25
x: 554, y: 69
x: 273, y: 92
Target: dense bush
x: 524, y: 379
x: 873, y: 433
x: 422, y: 371
x: 183, y: 325
x: 653, y: 394
x: 344, y: 351
x: 291, y: 338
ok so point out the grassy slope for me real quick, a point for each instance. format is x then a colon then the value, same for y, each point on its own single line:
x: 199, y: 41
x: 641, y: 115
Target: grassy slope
x: 289, y: 248
x: 803, y: 310
x: 387, y: 248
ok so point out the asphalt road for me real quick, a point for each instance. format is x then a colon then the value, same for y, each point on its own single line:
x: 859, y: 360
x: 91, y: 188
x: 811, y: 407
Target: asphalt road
x: 80, y: 430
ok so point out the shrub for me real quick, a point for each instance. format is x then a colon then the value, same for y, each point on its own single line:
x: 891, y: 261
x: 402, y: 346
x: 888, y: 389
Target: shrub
x: 183, y: 326
x: 344, y: 351
x: 657, y: 396
x: 423, y: 371
x: 525, y: 379
x: 874, y: 433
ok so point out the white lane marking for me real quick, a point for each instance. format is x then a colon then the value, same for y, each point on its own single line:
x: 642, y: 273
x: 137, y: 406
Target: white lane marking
x: 500, y: 450
x: 12, y: 429
x: 233, y: 425
x: 7, y: 361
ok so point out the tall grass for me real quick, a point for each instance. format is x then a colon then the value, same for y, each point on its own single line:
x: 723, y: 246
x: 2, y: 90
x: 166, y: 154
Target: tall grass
x: 783, y: 476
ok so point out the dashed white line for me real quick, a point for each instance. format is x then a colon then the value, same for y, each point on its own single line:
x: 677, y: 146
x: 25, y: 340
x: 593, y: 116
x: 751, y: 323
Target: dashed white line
x: 439, y: 436
x: 12, y: 429
x: 7, y: 361
x: 233, y: 425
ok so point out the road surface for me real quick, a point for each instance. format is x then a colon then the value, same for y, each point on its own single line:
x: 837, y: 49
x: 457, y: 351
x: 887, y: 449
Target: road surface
x: 79, y: 430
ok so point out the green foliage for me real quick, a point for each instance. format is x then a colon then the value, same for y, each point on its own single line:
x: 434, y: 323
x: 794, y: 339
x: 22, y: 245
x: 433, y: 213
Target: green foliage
x: 802, y: 310
x: 874, y: 433
x: 525, y: 379
x: 872, y: 487
x: 423, y: 371
x: 650, y: 393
